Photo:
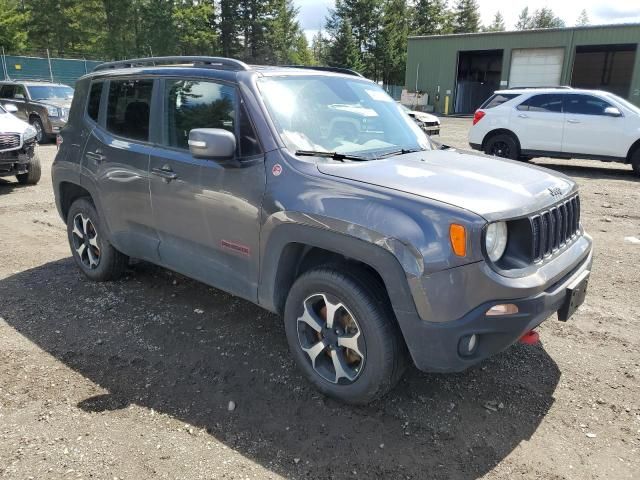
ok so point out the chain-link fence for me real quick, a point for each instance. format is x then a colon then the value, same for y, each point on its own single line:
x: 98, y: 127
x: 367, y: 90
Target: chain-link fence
x: 60, y: 70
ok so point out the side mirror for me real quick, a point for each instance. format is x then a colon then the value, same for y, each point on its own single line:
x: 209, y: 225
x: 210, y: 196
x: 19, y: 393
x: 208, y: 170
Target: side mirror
x: 212, y: 143
x: 10, y: 107
x: 612, y: 112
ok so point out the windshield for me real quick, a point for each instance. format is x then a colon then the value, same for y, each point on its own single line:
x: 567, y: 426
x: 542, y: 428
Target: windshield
x: 336, y: 114
x: 42, y: 92
x: 625, y: 103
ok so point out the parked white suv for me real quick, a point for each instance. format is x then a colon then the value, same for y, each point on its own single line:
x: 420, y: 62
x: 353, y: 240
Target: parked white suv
x: 558, y: 122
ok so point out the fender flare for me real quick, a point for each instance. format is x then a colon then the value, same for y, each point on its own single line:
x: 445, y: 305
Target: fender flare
x: 277, y: 259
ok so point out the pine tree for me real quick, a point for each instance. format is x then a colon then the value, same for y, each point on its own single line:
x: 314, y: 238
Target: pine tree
x: 524, y: 20
x: 13, y: 34
x: 319, y: 48
x: 343, y: 51
x: 466, y: 16
x: 229, y: 28
x: 431, y: 17
x: 583, y: 19
x: 194, y: 23
x: 545, y: 18
x: 391, y: 45
x: 497, y: 25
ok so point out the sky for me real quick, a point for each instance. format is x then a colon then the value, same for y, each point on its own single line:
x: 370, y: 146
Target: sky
x: 313, y: 12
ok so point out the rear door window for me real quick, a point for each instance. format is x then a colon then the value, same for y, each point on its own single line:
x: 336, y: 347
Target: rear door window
x: 585, y: 105
x: 498, y: 99
x: 545, y: 102
x: 128, y: 108
x: 7, y: 91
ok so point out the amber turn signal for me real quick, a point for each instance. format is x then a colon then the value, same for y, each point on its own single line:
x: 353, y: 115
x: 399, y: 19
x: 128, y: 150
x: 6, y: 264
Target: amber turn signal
x: 458, y: 237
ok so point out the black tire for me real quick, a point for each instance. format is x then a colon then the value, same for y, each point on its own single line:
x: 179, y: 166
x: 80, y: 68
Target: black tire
x: 385, y: 354
x: 111, y: 264
x: 41, y: 136
x: 635, y: 161
x: 503, y: 145
x: 34, y: 172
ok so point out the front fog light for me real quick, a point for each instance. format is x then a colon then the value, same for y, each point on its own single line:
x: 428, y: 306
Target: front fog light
x: 496, y: 240
x: 502, y: 309
x: 467, y: 345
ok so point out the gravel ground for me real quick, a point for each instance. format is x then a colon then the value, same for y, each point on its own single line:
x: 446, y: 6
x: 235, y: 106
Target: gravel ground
x: 128, y: 380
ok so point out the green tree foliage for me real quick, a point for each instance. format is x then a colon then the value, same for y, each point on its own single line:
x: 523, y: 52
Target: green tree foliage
x: 343, y: 50
x: 583, y: 19
x: 524, y: 20
x: 466, y: 16
x: 542, y: 18
x: 13, y: 35
x: 391, y: 45
x: 545, y: 18
x: 497, y: 25
x: 431, y: 17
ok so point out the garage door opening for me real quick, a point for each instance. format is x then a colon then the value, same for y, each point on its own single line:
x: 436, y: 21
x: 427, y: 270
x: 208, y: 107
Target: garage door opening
x: 536, y: 67
x: 604, y: 67
x: 479, y: 74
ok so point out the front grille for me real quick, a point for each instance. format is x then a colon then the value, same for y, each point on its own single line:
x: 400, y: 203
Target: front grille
x: 554, y: 228
x: 9, y: 141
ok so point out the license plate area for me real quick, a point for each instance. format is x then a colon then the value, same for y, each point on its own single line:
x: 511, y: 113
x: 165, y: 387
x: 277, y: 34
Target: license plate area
x: 574, y: 297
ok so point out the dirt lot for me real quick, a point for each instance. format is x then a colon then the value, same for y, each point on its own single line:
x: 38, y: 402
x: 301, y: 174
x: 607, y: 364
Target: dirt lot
x: 125, y: 380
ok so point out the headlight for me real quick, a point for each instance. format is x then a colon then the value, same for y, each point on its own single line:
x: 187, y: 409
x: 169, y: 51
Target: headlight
x: 52, y: 111
x: 29, y: 134
x: 496, y: 240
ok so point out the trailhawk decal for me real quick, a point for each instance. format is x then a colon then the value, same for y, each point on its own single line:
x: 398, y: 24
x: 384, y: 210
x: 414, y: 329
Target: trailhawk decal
x: 276, y: 170
x: 238, y: 248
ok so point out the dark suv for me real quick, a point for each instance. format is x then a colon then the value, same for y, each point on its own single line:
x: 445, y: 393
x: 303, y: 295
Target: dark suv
x: 44, y: 105
x: 312, y: 194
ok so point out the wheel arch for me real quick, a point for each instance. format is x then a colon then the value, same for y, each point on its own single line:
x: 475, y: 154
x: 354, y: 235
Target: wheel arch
x: 69, y: 192
x: 293, y: 249
x: 500, y: 131
x: 632, y: 150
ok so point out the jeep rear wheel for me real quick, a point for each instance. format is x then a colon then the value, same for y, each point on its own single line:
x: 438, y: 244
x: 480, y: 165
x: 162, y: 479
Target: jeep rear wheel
x: 345, y: 341
x: 91, y: 250
x: 503, y: 145
x: 34, y: 172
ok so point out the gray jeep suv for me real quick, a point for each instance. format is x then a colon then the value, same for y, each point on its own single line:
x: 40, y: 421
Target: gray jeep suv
x: 312, y: 194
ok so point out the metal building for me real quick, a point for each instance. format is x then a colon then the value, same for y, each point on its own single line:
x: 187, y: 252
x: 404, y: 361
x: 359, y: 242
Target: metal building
x: 458, y: 72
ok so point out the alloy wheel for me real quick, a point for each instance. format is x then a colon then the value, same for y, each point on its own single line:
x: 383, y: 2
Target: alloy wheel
x: 331, y: 338
x: 85, y: 241
x: 501, y: 149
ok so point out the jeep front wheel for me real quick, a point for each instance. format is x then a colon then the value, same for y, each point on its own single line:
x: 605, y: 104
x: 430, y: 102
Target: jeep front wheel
x: 343, y: 338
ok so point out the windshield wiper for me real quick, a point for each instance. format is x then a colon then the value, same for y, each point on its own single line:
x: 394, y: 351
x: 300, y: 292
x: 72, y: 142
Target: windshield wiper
x: 400, y: 151
x: 333, y: 155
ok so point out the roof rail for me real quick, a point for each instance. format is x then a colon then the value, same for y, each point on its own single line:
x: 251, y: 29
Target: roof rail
x: 561, y: 87
x: 346, y: 71
x: 213, y: 62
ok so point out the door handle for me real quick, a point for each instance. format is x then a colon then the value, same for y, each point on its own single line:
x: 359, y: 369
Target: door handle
x: 573, y: 120
x: 523, y: 115
x: 96, y: 156
x: 165, y: 172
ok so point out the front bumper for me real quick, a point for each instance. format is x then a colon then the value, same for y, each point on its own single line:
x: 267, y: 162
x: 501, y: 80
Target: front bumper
x: 15, y: 162
x: 434, y: 345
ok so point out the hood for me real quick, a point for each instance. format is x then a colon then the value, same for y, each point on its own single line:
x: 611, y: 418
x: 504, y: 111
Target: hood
x: 424, y: 117
x: 488, y: 186
x: 56, y: 102
x: 11, y: 124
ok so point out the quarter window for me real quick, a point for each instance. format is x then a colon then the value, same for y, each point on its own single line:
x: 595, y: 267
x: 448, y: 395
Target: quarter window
x: 93, y: 105
x: 128, y: 108
x: 585, y: 105
x: 542, y: 103
x: 497, y: 100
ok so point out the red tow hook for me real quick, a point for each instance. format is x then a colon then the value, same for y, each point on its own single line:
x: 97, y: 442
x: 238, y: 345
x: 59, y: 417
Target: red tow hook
x: 530, y: 338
